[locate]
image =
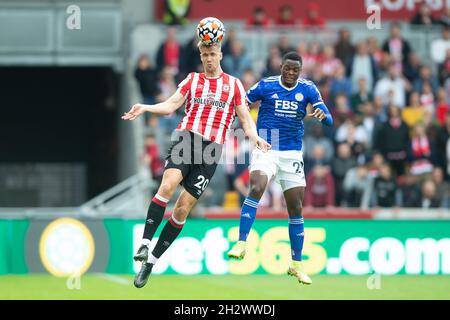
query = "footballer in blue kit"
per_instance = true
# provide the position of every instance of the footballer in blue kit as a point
(284, 100)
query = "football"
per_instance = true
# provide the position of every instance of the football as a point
(210, 30)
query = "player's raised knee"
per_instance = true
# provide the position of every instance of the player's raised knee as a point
(180, 213)
(167, 188)
(257, 190)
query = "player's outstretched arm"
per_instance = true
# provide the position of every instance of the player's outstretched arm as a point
(322, 113)
(250, 128)
(163, 108)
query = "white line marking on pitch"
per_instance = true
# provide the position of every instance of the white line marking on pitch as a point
(114, 278)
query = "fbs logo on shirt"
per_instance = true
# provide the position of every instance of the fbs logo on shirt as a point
(286, 106)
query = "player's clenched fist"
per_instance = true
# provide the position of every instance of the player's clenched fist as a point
(262, 144)
(134, 112)
(318, 113)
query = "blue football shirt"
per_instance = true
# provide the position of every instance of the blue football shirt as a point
(280, 117)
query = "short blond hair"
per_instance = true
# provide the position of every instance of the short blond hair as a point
(201, 44)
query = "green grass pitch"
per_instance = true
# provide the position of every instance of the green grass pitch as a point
(162, 287)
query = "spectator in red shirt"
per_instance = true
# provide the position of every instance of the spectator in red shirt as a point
(285, 17)
(258, 19)
(313, 18)
(442, 106)
(152, 159)
(329, 62)
(321, 188)
(311, 56)
(169, 52)
(420, 151)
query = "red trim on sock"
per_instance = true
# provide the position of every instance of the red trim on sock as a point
(159, 202)
(174, 224)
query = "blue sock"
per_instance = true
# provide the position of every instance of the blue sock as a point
(296, 235)
(248, 214)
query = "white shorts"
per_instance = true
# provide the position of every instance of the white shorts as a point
(287, 167)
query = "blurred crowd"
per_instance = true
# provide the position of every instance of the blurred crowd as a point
(390, 143)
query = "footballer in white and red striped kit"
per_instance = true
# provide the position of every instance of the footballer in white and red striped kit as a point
(210, 104)
(212, 99)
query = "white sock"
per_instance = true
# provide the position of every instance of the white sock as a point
(152, 259)
(180, 223)
(160, 198)
(146, 242)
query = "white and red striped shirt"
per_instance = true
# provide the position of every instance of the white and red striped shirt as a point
(210, 104)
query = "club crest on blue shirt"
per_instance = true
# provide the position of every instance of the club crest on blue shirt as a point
(299, 97)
